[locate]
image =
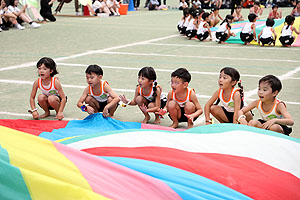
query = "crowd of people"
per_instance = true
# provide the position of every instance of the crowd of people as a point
(181, 101)
(196, 23)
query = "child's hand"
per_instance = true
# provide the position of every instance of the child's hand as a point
(123, 99)
(243, 121)
(267, 125)
(233, 34)
(35, 115)
(105, 112)
(25, 6)
(144, 108)
(161, 112)
(90, 110)
(59, 116)
(190, 117)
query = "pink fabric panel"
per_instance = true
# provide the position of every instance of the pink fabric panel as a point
(157, 127)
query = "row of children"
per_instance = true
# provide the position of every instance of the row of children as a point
(181, 102)
(12, 15)
(196, 23)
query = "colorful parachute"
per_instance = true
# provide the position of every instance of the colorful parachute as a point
(100, 158)
(236, 27)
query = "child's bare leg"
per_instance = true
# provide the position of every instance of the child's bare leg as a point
(276, 128)
(189, 109)
(255, 123)
(43, 101)
(54, 102)
(113, 109)
(218, 113)
(157, 119)
(249, 116)
(142, 101)
(175, 113)
(93, 103)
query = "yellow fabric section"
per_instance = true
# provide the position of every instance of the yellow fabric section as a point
(61, 140)
(47, 173)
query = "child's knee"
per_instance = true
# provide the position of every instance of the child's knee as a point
(53, 99)
(254, 123)
(151, 105)
(42, 98)
(276, 128)
(139, 100)
(172, 104)
(189, 107)
(89, 99)
(213, 109)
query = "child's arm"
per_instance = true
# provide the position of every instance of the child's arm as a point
(241, 118)
(208, 29)
(221, 18)
(199, 110)
(115, 100)
(61, 93)
(241, 18)
(295, 30)
(275, 36)
(208, 105)
(237, 106)
(229, 32)
(163, 111)
(80, 102)
(287, 119)
(280, 14)
(34, 113)
(157, 101)
(128, 101)
(258, 37)
(254, 31)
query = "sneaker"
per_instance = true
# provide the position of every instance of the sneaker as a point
(18, 26)
(34, 25)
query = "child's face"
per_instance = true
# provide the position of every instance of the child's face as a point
(225, 81)
(93, 79)
(178, 85)
(44, 72)
(275, 9)
(298, 5)
(144, 82)
(238, 10)
(16, 2)
(265, 92)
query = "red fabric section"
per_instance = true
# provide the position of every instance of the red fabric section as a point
(251, 177)
(34, 127)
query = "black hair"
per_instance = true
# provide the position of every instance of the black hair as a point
(94, 69)
(274, 6)
(192, 10)
(11, 2)
(205, 15)
(273, 81)
(49, 63)
(226, 20)
(215, 8)
(183, 74)
(289, 20)
(257, 3)
(270, 22)
(235, 76)
(252, 17)
(149, 73)
(239, 6)
(186, 12)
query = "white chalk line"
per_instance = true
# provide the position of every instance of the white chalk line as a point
(29, 115)
(30, 64)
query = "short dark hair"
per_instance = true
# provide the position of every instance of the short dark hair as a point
(274, 82)
(49, 63)
(205, 15)
(270, 22)
(94, 69)
(148, 72)
(251, 17)
(183, 74)
(274, 6)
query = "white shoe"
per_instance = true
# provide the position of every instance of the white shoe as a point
(0, 30)
(34, 25)
(18, 26)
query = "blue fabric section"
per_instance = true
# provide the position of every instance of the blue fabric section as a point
(187, 185)
(92, 124)
(12, 185)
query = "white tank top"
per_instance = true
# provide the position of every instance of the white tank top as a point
(272, 113)
(223, 28)
(286, 32)
(102, 97)
(247, 28)
(201, 28)
(180, 23)
(191, 25)
(187, 97)
(267, 32)
(187, 21)
(48, 89)
(228, 105)
(149, 96)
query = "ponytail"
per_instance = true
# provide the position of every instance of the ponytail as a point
(154, 89)
(241, 93)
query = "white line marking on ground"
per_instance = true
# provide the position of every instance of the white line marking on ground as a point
(282, 77)
(115, 89)
(29, 115)
(226, 46)
(89, 52)
(202, 57)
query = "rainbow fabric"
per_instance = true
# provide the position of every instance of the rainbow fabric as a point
(100, 158)
(236, 27)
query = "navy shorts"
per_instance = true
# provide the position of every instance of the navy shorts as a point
(229, 115)
(221, 36)
(246, 37)
(203, 36)
(182, 118)
(286, 40)
(286, 130)
(268, 40)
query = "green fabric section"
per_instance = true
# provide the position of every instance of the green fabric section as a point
(12, 185)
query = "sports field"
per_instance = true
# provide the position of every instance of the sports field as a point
(122, 45)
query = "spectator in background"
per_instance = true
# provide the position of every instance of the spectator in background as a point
(237, 15)
(216, 3)
(8, 17)
(46, 11)
(274, 13)
(256, 9)
(234, 4)
(296, 10)
(205, 4)
(182, 5)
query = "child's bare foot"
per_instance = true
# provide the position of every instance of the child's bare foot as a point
(190, 125)
(46, 114)
(157, 120)
(146, 120)
(174, 125)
